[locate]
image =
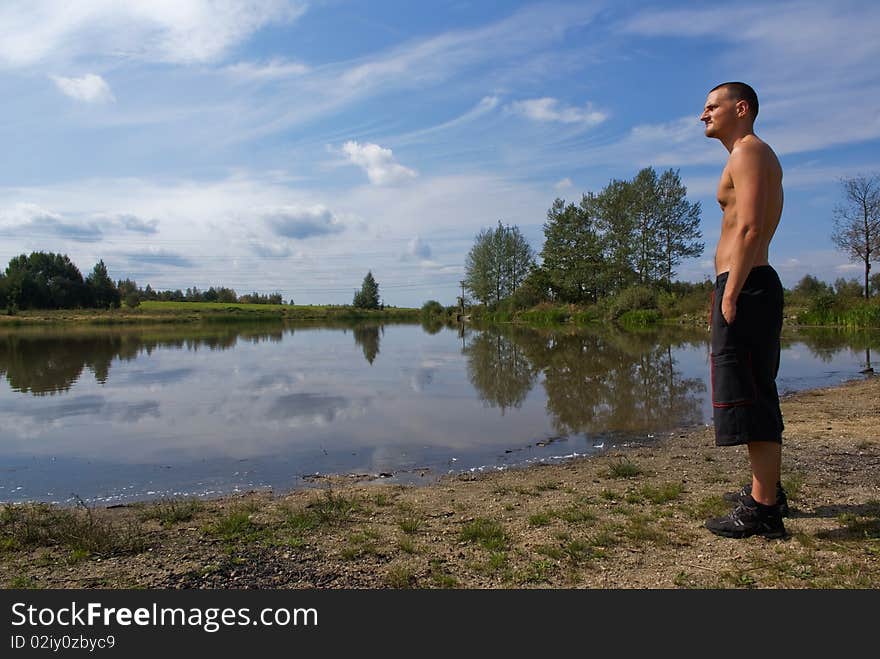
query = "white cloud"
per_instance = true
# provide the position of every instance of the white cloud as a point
(378, 162)
(562, 185)
(271, 70)
(149, 30)
(221, 232)
(91, 88)
(550, 109)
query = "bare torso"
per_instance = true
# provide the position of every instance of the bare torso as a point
(772, 207)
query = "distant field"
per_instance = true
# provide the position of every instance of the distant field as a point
(152, 305)
(152, 312)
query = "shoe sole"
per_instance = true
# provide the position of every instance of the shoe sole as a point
(770, 535)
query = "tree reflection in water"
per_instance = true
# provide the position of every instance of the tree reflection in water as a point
(367, 337)
(596, 380)
(498, 369)
(45, 363)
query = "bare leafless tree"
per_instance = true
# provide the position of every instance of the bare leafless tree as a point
(857, 222)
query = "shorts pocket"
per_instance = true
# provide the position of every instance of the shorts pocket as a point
(732, 380)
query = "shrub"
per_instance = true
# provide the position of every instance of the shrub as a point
(632, 299)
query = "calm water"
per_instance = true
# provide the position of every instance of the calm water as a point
(122, 415)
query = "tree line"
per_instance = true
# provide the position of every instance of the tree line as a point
(631, 233)
(45, 280)
(626, 241)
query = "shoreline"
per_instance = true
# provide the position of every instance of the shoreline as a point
(630, 518)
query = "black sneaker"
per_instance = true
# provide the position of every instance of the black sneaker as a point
(746, 491)
(749, 518)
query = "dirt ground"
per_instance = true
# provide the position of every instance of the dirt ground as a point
(631, 518)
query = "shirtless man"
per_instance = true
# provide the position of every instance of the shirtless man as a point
(747, 313)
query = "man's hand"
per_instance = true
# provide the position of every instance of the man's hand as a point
(728, 310)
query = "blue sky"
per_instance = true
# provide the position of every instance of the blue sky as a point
(292, 146)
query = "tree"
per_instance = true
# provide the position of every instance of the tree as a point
(102, 290)
(497, 264)
(129, 292)
(615, 222)
(857, 222)
(810, 287)
(573, 255)
(44, 281)
(368, 296)
(679, 223)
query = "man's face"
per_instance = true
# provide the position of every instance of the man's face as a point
(720, 113)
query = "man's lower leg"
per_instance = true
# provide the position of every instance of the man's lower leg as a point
(766, 461)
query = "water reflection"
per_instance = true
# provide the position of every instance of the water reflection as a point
(46, 362)
(499, 369)
(595, 381)
(124, 413)
(367, 337)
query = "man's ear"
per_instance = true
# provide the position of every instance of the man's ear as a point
(742, 108)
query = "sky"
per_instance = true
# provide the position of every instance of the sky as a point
(287, 146)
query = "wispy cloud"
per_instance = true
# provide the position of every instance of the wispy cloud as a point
(378, 163)
(158, 256)
(37, 223)
(808, 56)
(271, 70)
(90, 88)
(550, 109)
(180, 31)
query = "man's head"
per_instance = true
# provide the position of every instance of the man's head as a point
(727, 106)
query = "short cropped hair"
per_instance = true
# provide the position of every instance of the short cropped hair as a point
(740, 91)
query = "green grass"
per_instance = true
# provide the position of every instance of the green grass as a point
(328, 509)
(81, 530)
(407, 545)
(235, 526)
(488, 533)
(662, 494)
(23, 582)
(400, 576)
(576, 513)
(361, 543)
(409, 524)
(623, 468)
(540, 519)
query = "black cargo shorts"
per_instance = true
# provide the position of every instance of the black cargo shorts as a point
(745, 361)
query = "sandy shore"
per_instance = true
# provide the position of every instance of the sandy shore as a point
(628, 519)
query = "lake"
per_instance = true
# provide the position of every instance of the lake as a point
(119, 415)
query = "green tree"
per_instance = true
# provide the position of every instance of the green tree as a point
(480, 267)
(573, 255)
(615, 222)
(497, 264)
(3, 294)
(368, 296)
(679, 223)
(44, 280)
(857, 222)
(102, 290)
(647, 255)
(810, 287)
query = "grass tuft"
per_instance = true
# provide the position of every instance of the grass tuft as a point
(488, 533)
(623, 468)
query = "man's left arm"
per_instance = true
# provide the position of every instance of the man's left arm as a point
(748, 167)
